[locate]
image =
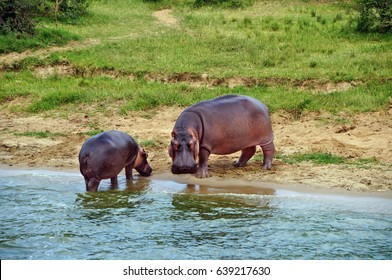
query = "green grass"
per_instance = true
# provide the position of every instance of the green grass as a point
(93, 132)
(44, 38)
(40, 134)
(148, 143)
(264, 40)
(54, 92)
(321, 159)
(317, 158)
(290, 41)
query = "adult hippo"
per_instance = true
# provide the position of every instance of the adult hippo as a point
(104, 155)
(222, 125)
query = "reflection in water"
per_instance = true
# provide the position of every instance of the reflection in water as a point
(227, 189)
(209, 202)
(222, 206)
(50, 216)
(113, 198)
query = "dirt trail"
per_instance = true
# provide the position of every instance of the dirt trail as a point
(166, 17)
(42, 53)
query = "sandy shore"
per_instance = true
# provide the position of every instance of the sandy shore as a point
(362, 136)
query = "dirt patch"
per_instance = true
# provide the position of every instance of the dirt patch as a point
(195, 80)
(370, 136)
(166, 18)
(10, 58)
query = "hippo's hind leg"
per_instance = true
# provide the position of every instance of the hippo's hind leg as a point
(246, 154)
(268, 154)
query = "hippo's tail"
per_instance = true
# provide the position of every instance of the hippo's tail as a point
(85, 169)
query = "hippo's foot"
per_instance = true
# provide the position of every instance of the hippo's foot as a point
(267, 165)
(268, 154)
(202, 173)
(246, 154)
(237, 163)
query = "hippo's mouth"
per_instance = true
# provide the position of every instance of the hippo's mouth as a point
(183, 170)
(146, 171)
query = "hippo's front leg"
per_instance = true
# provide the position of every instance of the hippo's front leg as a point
(128, 172)
(202, 170)
(113, 181)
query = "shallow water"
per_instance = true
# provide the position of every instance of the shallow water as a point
(48, 215)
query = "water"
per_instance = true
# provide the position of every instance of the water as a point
(48, 215)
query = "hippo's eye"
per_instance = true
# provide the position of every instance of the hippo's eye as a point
(175, 145)
(190, 145)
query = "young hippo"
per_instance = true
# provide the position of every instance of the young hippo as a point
(104, 155)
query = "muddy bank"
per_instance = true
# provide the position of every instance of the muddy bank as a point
(361, 136)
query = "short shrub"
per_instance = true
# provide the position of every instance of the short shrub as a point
(374, 15)
(71, 10)
(19, 16)
(224, 3)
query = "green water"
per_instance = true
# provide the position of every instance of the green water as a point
(48, 215)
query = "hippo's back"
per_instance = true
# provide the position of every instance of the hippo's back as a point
(106, 142)
(222, 105)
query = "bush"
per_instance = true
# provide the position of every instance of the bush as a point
(19, 15)
(223, 3)
(374, 15)
(70, 9)
(13, 42)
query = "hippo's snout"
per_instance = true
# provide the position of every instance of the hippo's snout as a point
(184, 169)
(144, 170)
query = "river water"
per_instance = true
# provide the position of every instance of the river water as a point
(48, 215)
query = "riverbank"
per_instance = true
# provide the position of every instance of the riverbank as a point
(53, 140)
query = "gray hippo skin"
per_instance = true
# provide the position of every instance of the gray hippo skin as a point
(222, 125)
(104, 155)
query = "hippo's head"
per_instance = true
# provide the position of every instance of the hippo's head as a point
(183, 150)
(141, 164)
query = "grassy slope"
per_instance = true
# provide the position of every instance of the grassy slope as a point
(291, 40)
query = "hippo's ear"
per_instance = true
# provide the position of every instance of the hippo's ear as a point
(171, 152)
(172, 148)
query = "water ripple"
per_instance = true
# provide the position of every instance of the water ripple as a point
(50, 216)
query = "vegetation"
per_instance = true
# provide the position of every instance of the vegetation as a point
(285, 53)
(375, 15)
(19, 19)
(43, 38)
(39, 134)
(320, 159)
(21, 16)
(224, 3)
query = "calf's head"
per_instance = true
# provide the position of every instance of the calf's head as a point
(141, 163)
(183, 149)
